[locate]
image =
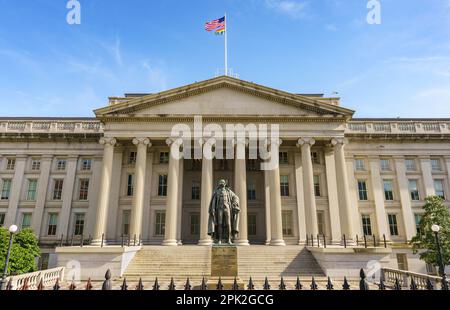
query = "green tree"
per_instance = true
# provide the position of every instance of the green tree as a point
(24, 251)
(425, 242)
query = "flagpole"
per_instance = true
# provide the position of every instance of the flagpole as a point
(226, 44)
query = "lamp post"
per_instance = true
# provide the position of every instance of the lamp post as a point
(12, 230)
(435, 228)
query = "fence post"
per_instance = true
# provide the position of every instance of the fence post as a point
(357, 240)
(384, 240)
(121, 242)
(345, 242)
(362, 282)
(103, 238)
(307, 240)
(374, 241)
(365, 241)
(318, 241)
(134, 240)
(324, 241)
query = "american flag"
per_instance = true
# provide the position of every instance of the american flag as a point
(215, 24)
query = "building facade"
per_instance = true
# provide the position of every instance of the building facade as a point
(113, 176)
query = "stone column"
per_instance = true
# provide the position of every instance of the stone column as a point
(300, 199)
(333, 200)
(356, 218)
(378, 195)
(276, 228)
(405, 198)
(105, 189)
(16, 189)
(138, 202)
(425, 164)
(170, 237)
(180, 202)
(67, 196)
(206, 194)
(447, 163)
(240, 187)
(308, 186)
(267, 205)
(46, 163)
(345, 205)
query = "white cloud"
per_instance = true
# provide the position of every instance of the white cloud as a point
(331, 27)
(114, 50)
(293, 8)
(157, 77)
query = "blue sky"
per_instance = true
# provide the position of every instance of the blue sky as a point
(400, 68)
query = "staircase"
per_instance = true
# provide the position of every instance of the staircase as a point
(195, 262)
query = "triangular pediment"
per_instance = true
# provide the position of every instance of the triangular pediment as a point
(224, 96)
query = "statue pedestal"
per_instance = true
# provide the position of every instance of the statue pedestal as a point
(224, 265)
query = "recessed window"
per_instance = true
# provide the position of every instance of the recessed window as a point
(252, 164)
(417, 219)
(196, 164)
(436, 164)
(132, 158)
(194, 220)
(79, 224)
(10, 163)
(61, 164)
(316, 180)
(35, 164)
(26, 220)
(287, 219)
(385, 165)
(195, 194)
(31, 191)
(413, 190)
(251, 224)
(52, 224)
(284, 185)
(130, 185)
(315, 158)
(320, 223)
(362, 190)
(2, 219)
(388, 190)
(86, 164)
(393, 228)
(410, 165)
(160, 223)
(251, 191)
(366, 225)
(402, 261)
(283, 158)
(84, 189)
(162, 185)
(126, 215)
(439, 188)
(6, 189)
(57, 189)
(163, 157)
(359, 164)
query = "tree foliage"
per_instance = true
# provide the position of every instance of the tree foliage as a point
(24, 251)
(425, 242)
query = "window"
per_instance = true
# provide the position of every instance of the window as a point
(84, 189)
(163, 157)
(252, 164)
(6, 189)
(2, 219)
(130, 185)
(439, 188)
(367, 225)
(286, 217)
(196, 164)
(10, 163)
(31, 192)
(388, 191)
(320, 223)
(393, 224)
(251, 191)
(52, 224)
(223, 164)
(43, 261)
(410, 165)
(86, 164)
(362, 190)
(385, 165)
(195, 190)
(413, 190)
(26, 220)
(315, 158)
(283, 158)
(132, 158)
(126, 222)
(35, 164)
(436, 164)
(78, 224)
(251, 224)
(162, 185)
(61, 164)
(194, 220)
(359, 165)
(316, 180)
(284, 185)
(402, 261)
(57, 189)
(160, 223)
(417, 219)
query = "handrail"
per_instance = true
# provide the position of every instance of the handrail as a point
(404, 278)
(32, 279)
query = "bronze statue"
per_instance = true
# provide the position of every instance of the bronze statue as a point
(224, 211)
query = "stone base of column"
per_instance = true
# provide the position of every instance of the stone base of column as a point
(267, 242)
(302, 242)
(170, 242)
(336, 242)
(277, 242)
(205, 242)
(179, 242)
(241, 242)
(98, 242)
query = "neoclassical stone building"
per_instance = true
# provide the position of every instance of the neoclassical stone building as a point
(112, 175)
